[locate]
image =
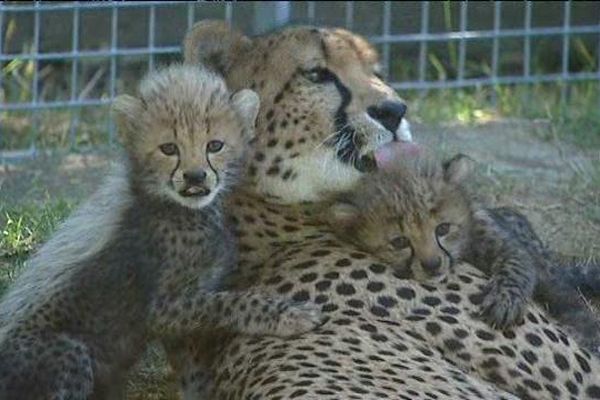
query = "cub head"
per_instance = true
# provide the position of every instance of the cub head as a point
(185, 134)
(325, 109)
(416, 218)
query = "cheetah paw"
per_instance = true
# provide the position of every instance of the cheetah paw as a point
(502, 307)
(298, 318)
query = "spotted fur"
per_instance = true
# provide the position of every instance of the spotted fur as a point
(419, 218)
(145, 257)
(386, 336)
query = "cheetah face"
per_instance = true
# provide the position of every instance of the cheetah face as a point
(325, 109)
(185, 134)
(417, 220)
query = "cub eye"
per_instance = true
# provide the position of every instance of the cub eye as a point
(318, 74)
(379, 75)
(214, 146)
(169, 149)
(400, 242)
(442, 229)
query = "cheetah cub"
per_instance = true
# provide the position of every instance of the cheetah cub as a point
(419, 218)
(145, 257)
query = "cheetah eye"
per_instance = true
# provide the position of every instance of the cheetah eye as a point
(168, 149)
(400, 242)
(214, 146)
(318, 75)
(379, 75)
(442, 229)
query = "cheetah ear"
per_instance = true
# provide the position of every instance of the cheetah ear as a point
(214, 44)
(458, 168)
(247, 104)
(128, 110)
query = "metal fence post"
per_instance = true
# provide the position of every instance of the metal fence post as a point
(269, 15)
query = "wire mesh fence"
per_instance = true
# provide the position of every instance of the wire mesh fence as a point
(62, 63)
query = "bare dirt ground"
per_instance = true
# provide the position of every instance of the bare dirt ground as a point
(555, 184)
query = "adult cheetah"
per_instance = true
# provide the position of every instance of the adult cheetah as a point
(324, 111)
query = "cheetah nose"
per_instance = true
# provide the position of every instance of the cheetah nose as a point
(432, 265)
(196, 177)
(388, 113)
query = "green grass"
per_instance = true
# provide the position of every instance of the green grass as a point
(25, 227)
(574, 118)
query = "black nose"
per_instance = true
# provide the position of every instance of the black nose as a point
(388, 113)
(195, 177)
(432, 265)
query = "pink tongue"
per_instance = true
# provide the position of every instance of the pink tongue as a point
(389, 154)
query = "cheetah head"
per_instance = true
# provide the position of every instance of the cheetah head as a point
(417, 218)
(325, 109)
(185, 134)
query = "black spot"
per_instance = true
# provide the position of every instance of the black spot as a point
(433, 328)
(343, 262)
(585, 367)
(572, 388)
(323, 285)
(561, 362)
(593, 391)
(453, 344)
(387, 301)
(547, 373)
(345, 289)
(379, 311)
(286, 287)
(306, 278)
(453, 298)
(484, 335)
(301, 296)
(533, 339)
(377, 268)
(406, 293)
(431, 301)
(529, 356)
(332, 275)
(305, 264)
(355, 303)
(551, 335)
(358, 274)
(476, 299)
(461, 333)
(375, 287)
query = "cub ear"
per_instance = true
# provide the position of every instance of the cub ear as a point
(458, 168)
(215, 44)
(247, 103)
(127, 110)
(342, 213)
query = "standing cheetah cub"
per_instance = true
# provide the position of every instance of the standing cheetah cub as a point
(420, 219)
(145, 257)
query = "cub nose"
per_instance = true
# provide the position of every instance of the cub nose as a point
(195, 177)
(432, 265)
(388, 113)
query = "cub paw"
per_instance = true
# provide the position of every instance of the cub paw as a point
(502, 307)
(297, 318)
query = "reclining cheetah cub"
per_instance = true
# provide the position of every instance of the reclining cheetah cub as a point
(420, 218)
(145, 257)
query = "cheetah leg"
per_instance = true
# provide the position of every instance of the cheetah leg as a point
(244, 312)
(191, 359)
(514, 273)
(60, 368)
